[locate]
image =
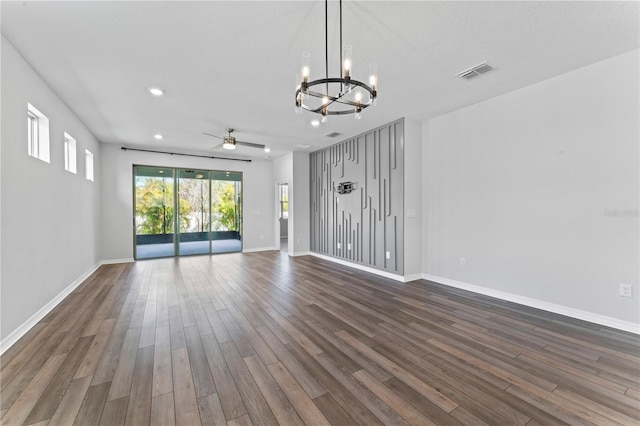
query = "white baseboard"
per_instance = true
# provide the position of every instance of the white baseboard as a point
(252, 250)
(300, 253)
(412, 277)
(368, 269)
(16, 334)
(114, 261)
(539, 304)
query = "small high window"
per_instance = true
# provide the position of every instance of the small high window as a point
(88, 162)
(37, 134)
(69, 153)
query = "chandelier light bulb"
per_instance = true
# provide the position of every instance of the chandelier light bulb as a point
(373, 76)
(324, 113)
(306, 67)
(347, 59)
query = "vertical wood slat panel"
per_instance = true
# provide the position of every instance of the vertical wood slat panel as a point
(371, 218)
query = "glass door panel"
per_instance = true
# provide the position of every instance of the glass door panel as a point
(194, 212)
(154, 212)
(226, 211)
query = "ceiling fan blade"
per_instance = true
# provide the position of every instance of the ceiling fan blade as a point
(253, 145)
(209, 134)
(213, 148)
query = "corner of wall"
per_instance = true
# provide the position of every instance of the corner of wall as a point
(413, 205)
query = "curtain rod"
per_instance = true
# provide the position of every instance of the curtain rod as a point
(186, 155)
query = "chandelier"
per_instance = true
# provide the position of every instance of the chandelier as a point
(336, 95)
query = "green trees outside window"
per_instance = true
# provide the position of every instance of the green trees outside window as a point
(155, 205)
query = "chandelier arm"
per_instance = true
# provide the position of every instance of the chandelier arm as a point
(339, 80)
(339, 112)
(336, 99)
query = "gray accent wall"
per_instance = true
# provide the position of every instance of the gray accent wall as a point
(364, 225)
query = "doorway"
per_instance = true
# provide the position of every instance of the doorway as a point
(181, 212)
(283, 203)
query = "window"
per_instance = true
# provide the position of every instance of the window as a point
(284, 200)
(37, 134)
(88, 162)
(32, 129)
(69, 153)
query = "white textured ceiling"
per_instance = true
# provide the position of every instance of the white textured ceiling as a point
(233, 63)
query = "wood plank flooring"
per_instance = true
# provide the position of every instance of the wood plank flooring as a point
(261, 338)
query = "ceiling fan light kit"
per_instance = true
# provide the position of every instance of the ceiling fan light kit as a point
(230, 142)
(350, 96)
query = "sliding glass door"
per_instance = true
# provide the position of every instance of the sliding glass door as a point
(226, 208)
(186, 211)
(194, 214)
(154, 211)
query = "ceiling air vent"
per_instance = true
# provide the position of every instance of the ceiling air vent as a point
(300, 146)
(473, 72)
(332, 134)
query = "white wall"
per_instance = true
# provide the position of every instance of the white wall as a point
(283, 173)
(50, 217)
(412, 199)
(293, 169)
(301, 204)
(117, 197)
(520, 187)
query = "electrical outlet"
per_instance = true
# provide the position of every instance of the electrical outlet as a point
(388, 255)
(348, 246)
(463, 262)
(338, 245)
(626, 290)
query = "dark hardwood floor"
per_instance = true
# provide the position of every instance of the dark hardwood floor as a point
(262, 338)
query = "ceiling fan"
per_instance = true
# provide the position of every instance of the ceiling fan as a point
(230, 142)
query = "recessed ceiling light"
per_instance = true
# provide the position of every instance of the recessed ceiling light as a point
(267, 149)
(155, 91)
(315, 123)
(158, 136)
